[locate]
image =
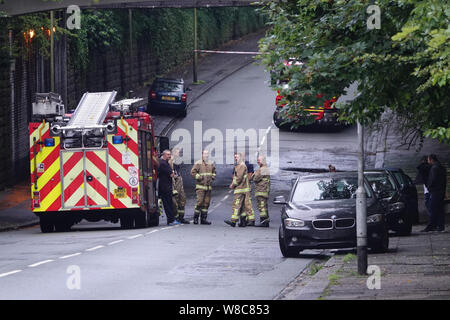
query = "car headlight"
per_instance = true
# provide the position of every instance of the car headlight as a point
(398, 206)
(294, 223)
(375, 218)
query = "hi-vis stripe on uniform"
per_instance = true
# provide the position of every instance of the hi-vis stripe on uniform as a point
(62, 174)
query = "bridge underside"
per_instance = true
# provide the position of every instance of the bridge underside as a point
(19, 7)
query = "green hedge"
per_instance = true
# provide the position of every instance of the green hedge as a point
(169, 32)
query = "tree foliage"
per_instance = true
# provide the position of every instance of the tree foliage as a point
(403, 66)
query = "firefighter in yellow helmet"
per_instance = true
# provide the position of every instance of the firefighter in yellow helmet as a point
(179, 197)
(241, 188)
(204, 173)
(261, 178)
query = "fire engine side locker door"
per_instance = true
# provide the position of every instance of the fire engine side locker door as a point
(97, 178)
(84, 179)
(72, 179)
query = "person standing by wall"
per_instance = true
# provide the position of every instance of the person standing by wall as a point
(165, 191)
(204, 173)
(437, 184)
(423, 171)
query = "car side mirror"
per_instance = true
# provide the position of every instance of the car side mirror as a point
(279, 200)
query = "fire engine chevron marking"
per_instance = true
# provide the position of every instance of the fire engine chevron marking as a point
(44, 133)
(115, 203)
(47, 155)
(52, 201)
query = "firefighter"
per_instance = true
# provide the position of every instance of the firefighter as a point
(179, 197)
(204, 173)
(241, 188)
(261, 178)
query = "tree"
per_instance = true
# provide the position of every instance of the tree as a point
(402, 66)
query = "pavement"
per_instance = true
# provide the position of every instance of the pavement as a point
(15, 203)
(416, 267)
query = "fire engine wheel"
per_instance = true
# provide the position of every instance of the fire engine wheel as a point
(47, 225)
(153, 219)
(140, 219)
(126, 221)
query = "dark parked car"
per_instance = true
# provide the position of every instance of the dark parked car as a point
(321, 214)
(168, 95)
(399, 202)
(408, 188)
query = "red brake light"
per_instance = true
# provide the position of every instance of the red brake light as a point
(184, 97)
(153, 95)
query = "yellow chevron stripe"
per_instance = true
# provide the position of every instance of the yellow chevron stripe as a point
(99, 176)
(50, 198)
(73, 173)
(35, 133)
(45, 152)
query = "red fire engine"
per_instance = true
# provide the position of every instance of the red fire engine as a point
(95, 164)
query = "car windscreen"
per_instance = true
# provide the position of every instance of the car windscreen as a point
(168, 86)
(326, 189)
(382, 184)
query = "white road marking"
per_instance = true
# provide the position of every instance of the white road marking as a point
(115, 242)
(70, 255)
(165, 228)
(9, 273)
(135, 236)
(95, 248)
(39, 263)
(153, 231)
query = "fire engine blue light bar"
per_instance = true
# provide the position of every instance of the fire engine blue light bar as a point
(49, 142)
(117, 139)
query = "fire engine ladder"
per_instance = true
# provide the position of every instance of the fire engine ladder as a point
(92, 110)
(89, 115)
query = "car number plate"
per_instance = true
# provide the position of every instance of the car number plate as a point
(120, 193)
(168, 98)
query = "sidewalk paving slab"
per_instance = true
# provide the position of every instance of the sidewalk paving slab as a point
(417, 267)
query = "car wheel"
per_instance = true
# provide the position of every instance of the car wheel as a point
(405, 228)
(383, 245)
(183, 113)
(278, 122)
(286, 251)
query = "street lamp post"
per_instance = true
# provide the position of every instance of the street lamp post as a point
(361, 207)
(195, 47)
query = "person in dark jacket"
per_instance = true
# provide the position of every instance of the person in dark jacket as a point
(165, 191)
(436, 184)
(423, 171)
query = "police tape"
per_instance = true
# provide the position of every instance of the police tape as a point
(232, 52)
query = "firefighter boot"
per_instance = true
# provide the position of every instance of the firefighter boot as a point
(264, 223)
(203, 219)
(196, 216)
(242, 221)
(231, 223)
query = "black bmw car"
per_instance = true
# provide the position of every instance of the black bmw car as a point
(398, 201)
(321, 214)
(169, 96)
